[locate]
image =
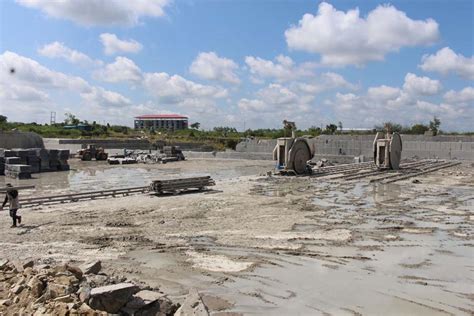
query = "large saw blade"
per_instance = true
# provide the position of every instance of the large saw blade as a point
(299, 155)
(395, 151)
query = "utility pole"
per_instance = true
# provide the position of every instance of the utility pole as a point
(52, 118)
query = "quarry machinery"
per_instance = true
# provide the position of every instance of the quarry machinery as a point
(91, 151)
(292, 153)
(387, 150)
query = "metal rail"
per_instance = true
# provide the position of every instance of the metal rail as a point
(432, 169)
(74, 197)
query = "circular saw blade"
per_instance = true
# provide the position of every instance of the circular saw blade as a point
(395, 151)
(299, 155)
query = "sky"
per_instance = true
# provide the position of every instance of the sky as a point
(239, 63)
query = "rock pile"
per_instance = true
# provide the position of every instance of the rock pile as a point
(26, 289)
(21, 163)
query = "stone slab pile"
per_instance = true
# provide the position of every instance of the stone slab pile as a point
(13, 161)
(29, 289)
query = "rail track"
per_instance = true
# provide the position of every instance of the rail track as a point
(368, 170)
(158, 187)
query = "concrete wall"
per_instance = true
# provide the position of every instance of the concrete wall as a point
(18, 139)
(347, 146)
(139, 144)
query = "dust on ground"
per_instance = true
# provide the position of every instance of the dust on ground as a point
(268, 245)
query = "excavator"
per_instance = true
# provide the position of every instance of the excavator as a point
(292, 153)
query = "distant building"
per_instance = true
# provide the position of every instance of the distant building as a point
(161, 121)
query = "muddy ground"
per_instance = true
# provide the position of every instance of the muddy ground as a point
(267, 245)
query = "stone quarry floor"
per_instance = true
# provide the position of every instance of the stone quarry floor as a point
(266, 245)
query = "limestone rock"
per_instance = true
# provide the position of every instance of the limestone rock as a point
(193, 305)
(111, 298)
(75, 270)
(92, 267)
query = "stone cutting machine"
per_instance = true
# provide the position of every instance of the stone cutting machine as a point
(292, 153)
(387, 150)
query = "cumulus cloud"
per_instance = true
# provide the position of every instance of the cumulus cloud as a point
(59, 50)
(276, 98)
(30, 72)
(99, 12)
(29, 81)
(326, 81)
(122, 69)
(282, 69)
(212, 67)
(344, 38)
(421, 85)
(176, 89)
(446, 61)
(112, 44)
(385, 103)
(105, 98)
(383, 92)
(463, 96)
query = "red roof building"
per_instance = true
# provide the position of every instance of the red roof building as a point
(161, 121)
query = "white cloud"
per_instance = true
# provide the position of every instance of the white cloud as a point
(212, 67)
(104, 98)
(122, 69)
(384, 103)
(27, 86)
(253, 105)
(277, 98)
(177, 90)
(59, 50)
(99, 12)
(21, 93)
(112, 44)
(383, 92)
(447, 61)
(463, 96)
(326, 81)
(30, 72)
(421, 85)
(344, 38)
(282, 69)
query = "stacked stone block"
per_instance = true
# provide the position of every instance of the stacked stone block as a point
(20, 163)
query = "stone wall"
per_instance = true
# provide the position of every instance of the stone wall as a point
(347, 146)
(16, 139)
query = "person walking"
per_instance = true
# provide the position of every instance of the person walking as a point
(12, 198)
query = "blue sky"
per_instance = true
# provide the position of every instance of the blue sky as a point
(239, 63)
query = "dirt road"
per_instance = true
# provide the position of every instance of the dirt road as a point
(269, 245)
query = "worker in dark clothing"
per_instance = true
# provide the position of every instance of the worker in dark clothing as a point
(12, 198)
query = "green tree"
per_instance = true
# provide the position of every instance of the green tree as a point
(419, 129)
(435, 124)
(340, 126)
(331, 129)
(71, 119)
(3, 119)
(195, 125)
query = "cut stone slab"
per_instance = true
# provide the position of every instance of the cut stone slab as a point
(193, 305)
(143, 298)
(91, 267)
(111, 298)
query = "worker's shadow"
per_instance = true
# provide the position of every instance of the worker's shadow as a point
(27, 228)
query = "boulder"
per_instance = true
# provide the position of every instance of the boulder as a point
(3, 263)
(111, 298)
(36, 286)
(74, 270)
(92, 267)
(143, 298)
(193, 305)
